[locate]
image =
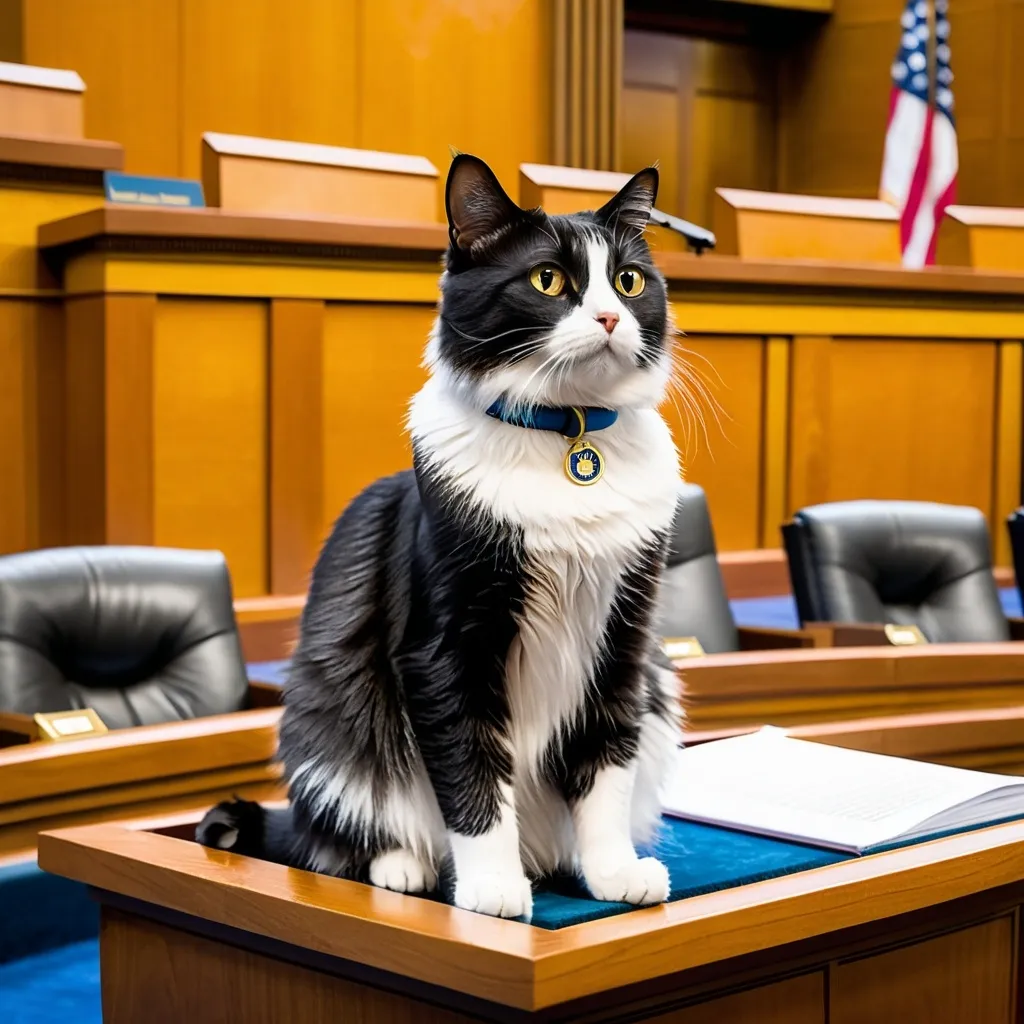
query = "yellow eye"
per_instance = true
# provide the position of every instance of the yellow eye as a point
(630, 281)
(548, 279)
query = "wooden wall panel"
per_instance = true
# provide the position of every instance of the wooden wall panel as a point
(371, 368)
(402, 75)
(706, 110)
(834, 100)
(296, 442)
(885, 418)
(210, 433)
(261, 67)
(967, 975)
(129, 54)
(31, 424)
(469, 75)
(718, 430)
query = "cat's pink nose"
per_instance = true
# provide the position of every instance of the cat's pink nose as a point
(607, 321)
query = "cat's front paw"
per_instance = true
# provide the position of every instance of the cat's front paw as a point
(497, 894)
(630, 881)
(402, 871)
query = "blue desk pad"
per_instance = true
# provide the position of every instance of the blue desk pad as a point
(699, 858)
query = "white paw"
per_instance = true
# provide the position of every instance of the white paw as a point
(402, 871)
(633, 881)
(500, 895)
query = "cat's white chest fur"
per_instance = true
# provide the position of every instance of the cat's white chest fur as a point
(578, 540)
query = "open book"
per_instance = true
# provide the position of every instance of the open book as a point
(774, 785)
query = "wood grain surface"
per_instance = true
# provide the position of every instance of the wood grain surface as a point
(512, 963)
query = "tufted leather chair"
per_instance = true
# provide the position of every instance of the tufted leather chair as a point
(693, 602)
(141, 635)
(901, 562)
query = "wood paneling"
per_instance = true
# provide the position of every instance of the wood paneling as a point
(586, 82)
(200, 980)
(718, 428)
(31, 424)
(794, 1001)
(129, 54)
(834, 100)
(260, 67)
(964, 976)
(775, 440)
(470, 75)
(705, 110)
(404, 76)
(210, 433)
(371, 369)
(296, 442)
(892, 419)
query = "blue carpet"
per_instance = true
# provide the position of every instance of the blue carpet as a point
(267, 671)
(39, 911)
(780, 612)
(61, 985)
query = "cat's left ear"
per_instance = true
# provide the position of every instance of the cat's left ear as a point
(475, 202)
(631, 205)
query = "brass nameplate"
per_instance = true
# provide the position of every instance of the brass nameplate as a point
(683, 647)
(904, 636)
(69, 725)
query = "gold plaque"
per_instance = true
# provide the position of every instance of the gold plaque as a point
(904, 636)
(682, 647)
(69, 725)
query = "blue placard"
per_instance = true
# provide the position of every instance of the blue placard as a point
(142, 190)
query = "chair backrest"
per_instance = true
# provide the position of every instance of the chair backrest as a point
(693, 600)
(141, 635)
(906, 562)
(1015, 525)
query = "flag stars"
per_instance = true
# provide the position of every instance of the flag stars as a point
(910, 41)
(899, 71)
(942, 29)
(916, 61)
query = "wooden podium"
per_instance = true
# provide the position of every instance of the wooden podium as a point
(924, 933)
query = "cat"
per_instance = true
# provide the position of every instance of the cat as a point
(476, 696)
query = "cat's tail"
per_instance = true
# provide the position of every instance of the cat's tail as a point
(248, 828)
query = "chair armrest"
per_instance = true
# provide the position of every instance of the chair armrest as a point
(761, 638)
(848, 634)
(1016, 627)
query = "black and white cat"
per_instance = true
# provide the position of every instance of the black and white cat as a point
(476, 692)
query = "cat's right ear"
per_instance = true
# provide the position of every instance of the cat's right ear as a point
(475, 202)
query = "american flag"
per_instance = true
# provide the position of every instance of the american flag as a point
(920, 164)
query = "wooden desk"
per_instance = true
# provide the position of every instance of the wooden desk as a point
(138, 773)
(927, 933)
(40, 179)
(796, 687)
(227, 374)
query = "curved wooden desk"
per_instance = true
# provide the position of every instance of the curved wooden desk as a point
(235, 380)
(926, 933)
(138, 773)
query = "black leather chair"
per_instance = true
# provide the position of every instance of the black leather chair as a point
(899, 562)
(693, 601)
(1015, 526)
(140, 635)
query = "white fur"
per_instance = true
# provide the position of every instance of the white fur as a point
(489, 874)
(608, 861)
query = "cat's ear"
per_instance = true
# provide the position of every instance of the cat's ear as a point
(475, 202)
(631, 206)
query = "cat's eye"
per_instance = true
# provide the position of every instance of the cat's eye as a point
(630, 281)
(548, 279)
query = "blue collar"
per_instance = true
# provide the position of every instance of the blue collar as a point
(571, 422)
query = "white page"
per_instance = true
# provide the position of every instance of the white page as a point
(767, 782)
